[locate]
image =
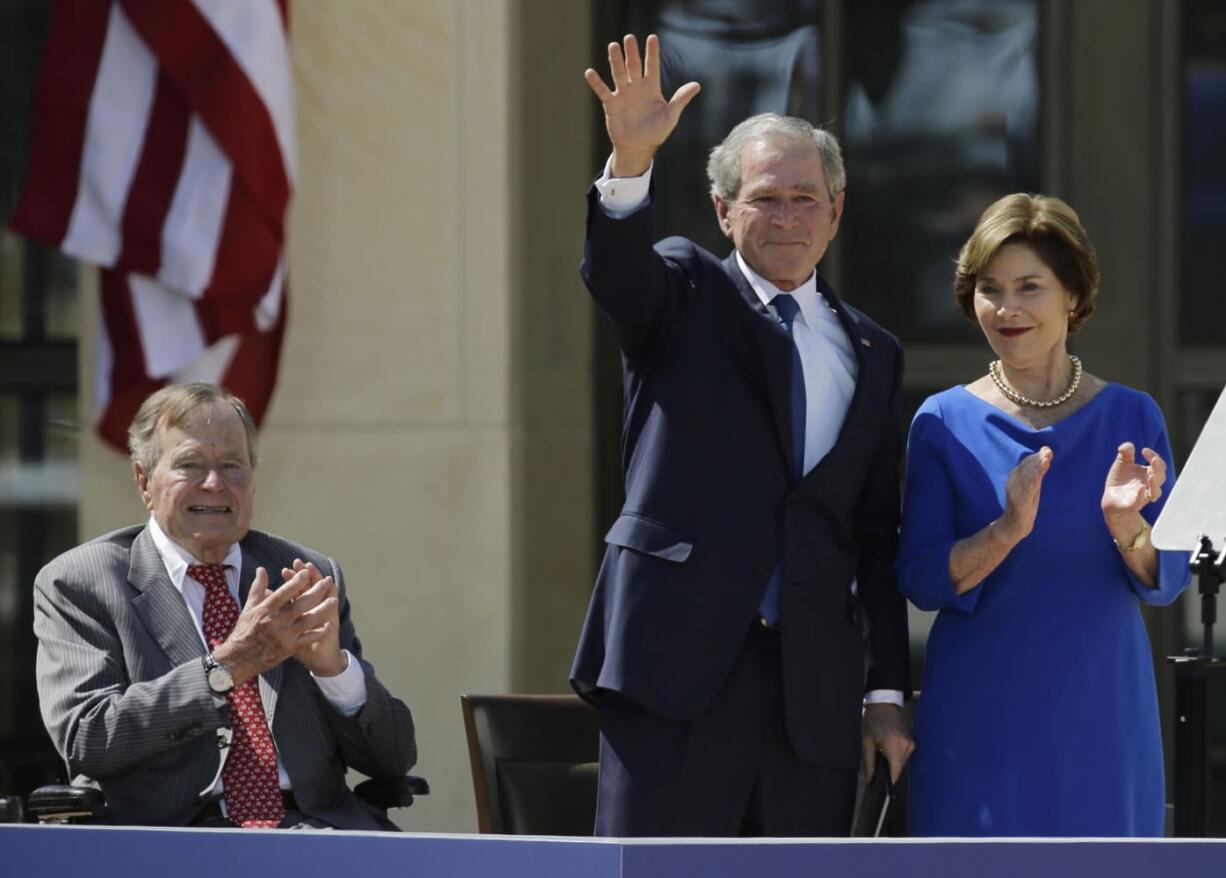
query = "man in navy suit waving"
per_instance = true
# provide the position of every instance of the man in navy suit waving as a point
(745, 645)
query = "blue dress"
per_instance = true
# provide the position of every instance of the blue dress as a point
(1039, 714)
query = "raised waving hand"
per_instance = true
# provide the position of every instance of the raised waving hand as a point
(637, 116)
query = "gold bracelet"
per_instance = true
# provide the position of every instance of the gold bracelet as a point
(1138, 542)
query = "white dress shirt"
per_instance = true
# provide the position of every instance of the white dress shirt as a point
(826, 356)
(346, 691)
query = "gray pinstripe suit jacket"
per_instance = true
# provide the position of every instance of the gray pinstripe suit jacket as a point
(124, 696)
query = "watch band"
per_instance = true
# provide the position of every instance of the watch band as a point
(219, 678)
(1138, 541)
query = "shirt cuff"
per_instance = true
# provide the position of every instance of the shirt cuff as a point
(884, 696)
(622, 196)
(347, 690)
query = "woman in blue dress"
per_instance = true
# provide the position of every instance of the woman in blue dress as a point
(1029, 498)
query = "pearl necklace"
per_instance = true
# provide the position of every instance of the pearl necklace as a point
(998, 377)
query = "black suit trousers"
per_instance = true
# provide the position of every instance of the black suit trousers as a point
(732, 771)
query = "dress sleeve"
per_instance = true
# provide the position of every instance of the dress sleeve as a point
(1174, 573)
(928, 519)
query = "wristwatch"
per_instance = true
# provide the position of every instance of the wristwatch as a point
(221, 681)
(1138, 542)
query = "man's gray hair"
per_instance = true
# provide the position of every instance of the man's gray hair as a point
(173, 406)
(724, 164)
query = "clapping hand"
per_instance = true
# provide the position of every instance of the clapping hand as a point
(299, 619)
(320, 649)
(1131, 485)
(1022, 490)
(637, 116)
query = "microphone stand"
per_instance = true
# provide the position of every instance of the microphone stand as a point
(1192, 672)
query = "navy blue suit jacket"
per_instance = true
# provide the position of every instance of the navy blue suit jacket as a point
(712, 506)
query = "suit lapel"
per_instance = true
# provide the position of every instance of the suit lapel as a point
(160, 605)
(167, 619)
(775, 349)
(253, 557)
(866, 373)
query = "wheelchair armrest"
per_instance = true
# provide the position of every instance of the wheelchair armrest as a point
(62, 803)
(12, 809)
(395, 792)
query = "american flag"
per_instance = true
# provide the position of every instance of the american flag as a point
(163, 151)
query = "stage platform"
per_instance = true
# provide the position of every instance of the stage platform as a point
(103, 852)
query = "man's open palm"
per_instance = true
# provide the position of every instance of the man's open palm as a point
(637, 117)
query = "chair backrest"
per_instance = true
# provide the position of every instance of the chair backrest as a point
(534, 762)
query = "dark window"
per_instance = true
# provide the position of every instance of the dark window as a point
(38, 411)
(1202, 307)
(941, 118)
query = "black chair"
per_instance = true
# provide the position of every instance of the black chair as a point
(65, 803)
(534, 763)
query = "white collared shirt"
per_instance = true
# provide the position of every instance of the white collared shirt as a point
(826, 353)
(346, 691)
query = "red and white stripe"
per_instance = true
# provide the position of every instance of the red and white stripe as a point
(163, 151)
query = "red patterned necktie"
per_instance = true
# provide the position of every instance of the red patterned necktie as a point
(252, 791)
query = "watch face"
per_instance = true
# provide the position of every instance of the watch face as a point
(220, 680)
